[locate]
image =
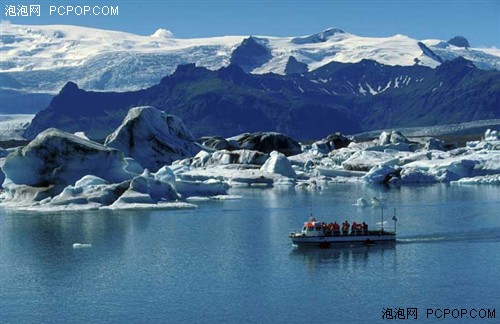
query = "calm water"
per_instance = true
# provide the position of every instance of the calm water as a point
(232, 262)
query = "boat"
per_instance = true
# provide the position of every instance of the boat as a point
(320, 234)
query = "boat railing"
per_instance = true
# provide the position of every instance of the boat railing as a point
(387, 228)
(293, 233)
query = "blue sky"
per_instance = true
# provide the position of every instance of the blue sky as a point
(477, 20)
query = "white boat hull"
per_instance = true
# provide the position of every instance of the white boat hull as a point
(326, 241)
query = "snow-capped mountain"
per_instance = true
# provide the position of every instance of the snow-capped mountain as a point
(44, 58)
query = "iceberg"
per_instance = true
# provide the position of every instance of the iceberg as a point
(56, 159)
(210, 187)
(90, 190)
(380, 174)
(147, 191)
(215, 143)
(153, 138)
(278, 163)
(444, 170)
(133, 166)
(224, 157)
(61, 171)
(366, 160)
(393, 137)
(266, 142)
(338, 171)
(233, 174)
(330, 143)
(165, 174)
(491, 135)
(157, 190)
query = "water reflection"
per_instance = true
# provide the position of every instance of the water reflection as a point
(342, 256)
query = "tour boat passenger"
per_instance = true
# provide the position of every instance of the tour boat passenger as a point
(336, 228)
(345, 228)
(354, 228)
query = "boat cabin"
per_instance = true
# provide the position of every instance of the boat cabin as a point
(313, 229)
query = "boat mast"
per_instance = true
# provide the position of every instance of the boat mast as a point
(382, 216)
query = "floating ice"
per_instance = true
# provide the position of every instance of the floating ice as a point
(82, 245)
(361, 202)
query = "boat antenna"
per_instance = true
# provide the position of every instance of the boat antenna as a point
(382, 216)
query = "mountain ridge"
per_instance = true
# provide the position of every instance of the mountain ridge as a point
(347, 97)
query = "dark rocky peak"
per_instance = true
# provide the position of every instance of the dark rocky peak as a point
(328, 69)
(69, 88)
(295, 67)
(255, 41)
(189, 69)
(459, 41)
(318, 37)
(458, 62)
(68, 95)
(362, 67)
(369, 63)
(251, 53)
(455, 69)
(186, 72)
(232, 72)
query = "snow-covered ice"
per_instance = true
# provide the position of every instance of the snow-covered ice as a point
(92, 55)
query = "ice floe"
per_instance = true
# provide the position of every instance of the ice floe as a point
(493, 179)
(82, 245)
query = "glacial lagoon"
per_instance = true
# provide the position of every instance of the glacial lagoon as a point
(231, 261)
